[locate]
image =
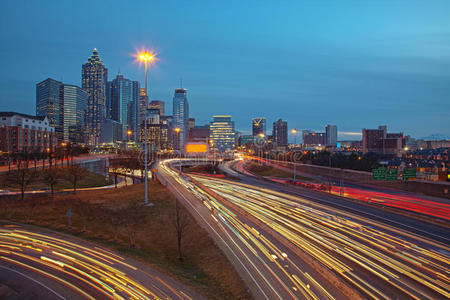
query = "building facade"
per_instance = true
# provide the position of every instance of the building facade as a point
(221, 134)
(94, 77)
(25, 133)
(122, 99)
(112, 132)
(48, 104)
(331, 135)
(180, 117)
(280, 133)
(259, 126)
(158, 104)
(313, 139)
(73, 113)
(381, 142)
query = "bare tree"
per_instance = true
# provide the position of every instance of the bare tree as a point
(51, 178)
(181, 222)
(74, 174)
(22, 177)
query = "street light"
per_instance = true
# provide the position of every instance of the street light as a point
(177, 131)
(294, 131)
(146, 57)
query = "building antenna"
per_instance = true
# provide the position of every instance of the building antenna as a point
(119, 71)
(181, 82)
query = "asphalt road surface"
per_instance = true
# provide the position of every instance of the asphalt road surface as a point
(377, 258)
(41, 264)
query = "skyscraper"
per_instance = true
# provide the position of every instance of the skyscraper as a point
(181, 116)
(279, 133)
(94, 76)
(73, 113)
(122, 98)
(221, 133)
(158, 104)
(259, 126)
(48, 104)
(331, 135)
(142, 107)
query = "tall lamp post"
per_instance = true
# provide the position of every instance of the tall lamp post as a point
(146, 57)
(294, 131)
(177, 131)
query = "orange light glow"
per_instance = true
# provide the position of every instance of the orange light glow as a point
(177, 130)
(196, 148)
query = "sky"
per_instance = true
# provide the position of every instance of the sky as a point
(355, 64)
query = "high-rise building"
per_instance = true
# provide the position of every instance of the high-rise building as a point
(221, 134)
(122, 98)
(279, 133)
(48, 104)
(73, 101)
(143, 106)
(180, 117)
(331, 135)
(94, 76)
(381, 142)
(259, 126)
(158, 104)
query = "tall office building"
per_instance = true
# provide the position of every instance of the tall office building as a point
(73, 101)
(331, 135)
(259, 126)
(48, 104)
(122, 98)
(279, 133)
(221, 134)
(142, 107)
(158, 104)
(94, 76)
(180, 117)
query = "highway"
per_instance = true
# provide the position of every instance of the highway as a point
(369, 255)
(270, 270)
(426, 205)
(39, 264)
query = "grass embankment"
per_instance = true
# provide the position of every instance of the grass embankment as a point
(206, 169)
(117, 219)
(269, 171)
(38, 182)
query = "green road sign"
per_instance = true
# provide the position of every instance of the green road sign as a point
(379, 174)
(392, 174)
(409, 174)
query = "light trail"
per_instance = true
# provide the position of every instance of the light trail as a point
(292, 280)
(406, 202)
(91, 272)
(379, 261)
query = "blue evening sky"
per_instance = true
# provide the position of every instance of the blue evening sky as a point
(351, 63)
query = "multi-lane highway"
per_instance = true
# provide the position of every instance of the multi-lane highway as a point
(37, 264)
(425, 205)
(295, 247)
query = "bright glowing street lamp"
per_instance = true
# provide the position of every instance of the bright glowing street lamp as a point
(146, 57)
(294, 131)
(177, 131)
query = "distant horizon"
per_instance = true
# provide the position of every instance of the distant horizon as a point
(355, 65)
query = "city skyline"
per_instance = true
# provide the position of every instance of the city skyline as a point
(391, 73)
